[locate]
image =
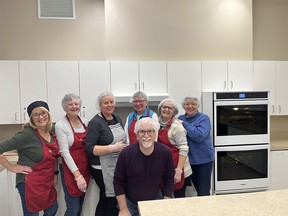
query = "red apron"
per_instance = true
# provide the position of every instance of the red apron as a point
(132, 135)
(77, 152)
(40, 192)
(163, 138)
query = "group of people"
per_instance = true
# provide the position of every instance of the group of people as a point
(150, 157)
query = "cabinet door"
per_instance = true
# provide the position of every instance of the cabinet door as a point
(214, 76)
(240, 75)
(4, 192)
(278, 174)
(14, 197)
(94, 79)
(264, 80)
(62, 78)
(184, 78)
(153, 77)
(124, 78)
(32, 84)
(9, 92)
(281, 87)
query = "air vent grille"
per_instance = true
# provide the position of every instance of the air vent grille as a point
(56, 9)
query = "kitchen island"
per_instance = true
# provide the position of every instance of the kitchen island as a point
(266, 203)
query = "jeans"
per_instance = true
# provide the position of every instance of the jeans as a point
(51, 211)
(73, 204)
(201, 178)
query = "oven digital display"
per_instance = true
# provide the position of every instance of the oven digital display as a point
(242, 95)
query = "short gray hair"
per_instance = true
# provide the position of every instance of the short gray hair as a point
(101, 96)
(189, 97)
(69, 97)
(146, 121)
(175, 107)
(140, 94)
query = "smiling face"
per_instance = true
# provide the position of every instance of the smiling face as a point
(107, 105)
(167, 111)
(73, 107)
(40, 118)
(139, 105)
(146, 136)
(190, 107)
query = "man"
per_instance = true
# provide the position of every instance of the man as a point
(141, 168)
(141, 110)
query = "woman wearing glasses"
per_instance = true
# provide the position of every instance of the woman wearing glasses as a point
(104, 141)
(173, 135)
(141, 109)
(37, 166)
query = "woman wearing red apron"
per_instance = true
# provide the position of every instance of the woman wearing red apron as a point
(37, 164)
(173, 134)
(75, 174)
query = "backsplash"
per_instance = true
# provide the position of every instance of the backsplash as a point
(279, 128)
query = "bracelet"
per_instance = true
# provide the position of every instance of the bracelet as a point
(56, 172)
(80, 177)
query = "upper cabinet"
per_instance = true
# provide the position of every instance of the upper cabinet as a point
(10, 92)
(94, 79)
(127, 77)
(227, 76)
(33, 85)
(62, 78)
(153, 77)
(184, 78)
(272, 76)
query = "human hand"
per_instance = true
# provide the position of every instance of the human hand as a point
(81, 183)
(177, 176)
(118, 146)
(124, 212)
(21, 169)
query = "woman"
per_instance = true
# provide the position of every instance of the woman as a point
(105, 139)
(141, 109)
(201, 151)
(36, 169)
(173, 134)
(75, 174)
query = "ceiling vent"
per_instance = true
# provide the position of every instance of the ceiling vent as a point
(56, 9)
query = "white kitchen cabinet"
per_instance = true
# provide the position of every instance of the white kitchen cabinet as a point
(227, 76)
(15, 205)
(124, 78)
(153, 77)
(9, 92)
(184, 78)
(33, 85)
(4, 192)
(272, 76)
(94, 79)
(127, 77)
(278, 170)
(62, 78)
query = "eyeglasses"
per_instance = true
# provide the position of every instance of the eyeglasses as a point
(37, 115)
(138, 101)
(166, 107)
(149, 132)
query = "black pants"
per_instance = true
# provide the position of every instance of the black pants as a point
(182, 192)
(107, 206)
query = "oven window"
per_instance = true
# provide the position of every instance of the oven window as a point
(242, 120)
(238, 165)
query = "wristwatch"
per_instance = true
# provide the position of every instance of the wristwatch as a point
(56, 172)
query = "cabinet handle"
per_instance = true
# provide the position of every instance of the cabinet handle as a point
(231, 85)
(136, 86)
(143, 87)
(15, 116)
(24, 114)
(84, 113)
(273, 108)
(225, 85)
(279, 108)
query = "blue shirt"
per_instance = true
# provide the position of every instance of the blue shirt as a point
(199, 139)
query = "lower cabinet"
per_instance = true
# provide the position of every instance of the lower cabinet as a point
(278, 171)
(10, 202)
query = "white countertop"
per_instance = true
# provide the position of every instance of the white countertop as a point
(267, 203)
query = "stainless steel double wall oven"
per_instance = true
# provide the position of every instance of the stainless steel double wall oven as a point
(241, 137)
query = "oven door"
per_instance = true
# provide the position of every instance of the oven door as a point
(241, 122)
(241, 168)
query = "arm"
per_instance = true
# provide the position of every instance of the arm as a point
(123, 209)
(156, 119)
(127, 131)
(14, 167)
